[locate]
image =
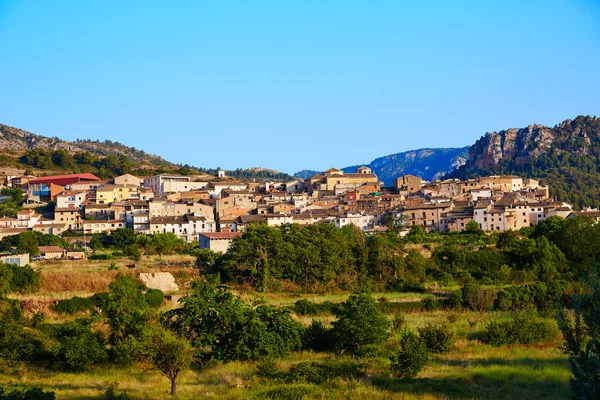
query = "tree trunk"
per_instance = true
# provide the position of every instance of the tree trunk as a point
(173, 386)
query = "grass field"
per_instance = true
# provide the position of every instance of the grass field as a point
(472, 370)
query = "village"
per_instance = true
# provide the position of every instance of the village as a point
(215, 210)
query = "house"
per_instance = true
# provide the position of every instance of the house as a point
(46, 187)
(51, 229)
(168, 183)
(20, 181)
(105, 225)
(8, 222)
(408, 183)
(20, 260)
(141, 222)
(128, 179)
(75, 254)
(4, 232)
(217, 241)
(360, 220)
(70, 199)
(52, 252)
(27, 218)
(70, 216)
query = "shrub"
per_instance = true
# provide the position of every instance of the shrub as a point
(454, 300)
(430, 304)
(406, 307)
(74, 305)
(267, 368)
(317, 337)
(438, 339)
(478, 298)
(35, 393)
(320, 372)
(21, 279)
(78, 347)
(154, 297)
(360, 324)
(18, 344)
(412, 356)
(306, 307)
(398, 321)
(520, 330)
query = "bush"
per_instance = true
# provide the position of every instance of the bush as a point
(267, 368)
(438, 339)
(478, 298)
(35, 393)
(430, 304)
(317, 337)
(405, 307)
(78, 347)
(455, 300)
(360, 325)
(18, 344)
(22, 279)
(398, 322)
(306, 307)
(154, 297)
(412, 356)
(520, 330)
(74, 305)
(321, 372)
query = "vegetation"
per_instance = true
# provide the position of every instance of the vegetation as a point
(572, 164)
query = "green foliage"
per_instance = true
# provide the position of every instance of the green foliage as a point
(74, 305)
(320, 372)
(78, 347)
(101, 256)
(306, 307)
(266, 368)
(412, 356)
(133, 251)
(398, 322)
(522, 329)
(15, 279)
(220, 325)
(126, 310)
(478, 298)
(19, 344)
(580, 327)
(154, 297)
(360, 324)
(34, 393)
(170, 355)
(318, 337)
(437, 338)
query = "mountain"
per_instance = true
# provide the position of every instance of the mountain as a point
(21, 150)
(429, 164)
(566, 156)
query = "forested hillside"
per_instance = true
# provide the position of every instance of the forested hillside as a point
(39, 154)
(567, 157)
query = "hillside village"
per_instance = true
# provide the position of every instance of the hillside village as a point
(214, 211)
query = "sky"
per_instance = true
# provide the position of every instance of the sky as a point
(294, 85)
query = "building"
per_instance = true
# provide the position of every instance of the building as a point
(20, 260)
(128, 179)
(408, 183)
(46, 187)
(217, 241)
(70, 199)
(52, 252)
(70, 216)
(168, 183)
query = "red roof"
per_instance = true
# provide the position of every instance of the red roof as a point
(66, 179)
(220, 235)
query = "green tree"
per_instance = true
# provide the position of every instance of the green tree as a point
(360, 325)
(122, 237)
(580, 327)
(27, 242)
(170, 355)
(412, 356)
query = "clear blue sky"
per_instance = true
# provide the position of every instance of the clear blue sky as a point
(294, 84)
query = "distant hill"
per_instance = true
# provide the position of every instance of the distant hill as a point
(566, 156)
(22, 150)
(429, 164)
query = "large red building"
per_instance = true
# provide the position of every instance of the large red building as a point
(41, 186)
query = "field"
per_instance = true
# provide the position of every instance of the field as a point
(472, 370)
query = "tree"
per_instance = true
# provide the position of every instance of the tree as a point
(360, 325)
(580, 327)
(412, 357)
(473, 227)
(170, 355)
(27, 242)
(123, 237)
